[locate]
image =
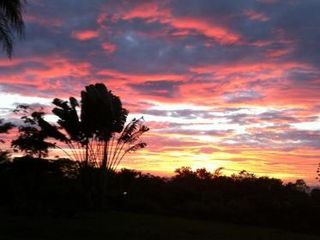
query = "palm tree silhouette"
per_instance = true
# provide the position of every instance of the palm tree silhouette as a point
(96, 135)
(99, 136)
(11, 23)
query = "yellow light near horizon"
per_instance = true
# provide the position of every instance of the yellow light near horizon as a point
(165, 162)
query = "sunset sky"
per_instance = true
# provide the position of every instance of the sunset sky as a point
(233, 84)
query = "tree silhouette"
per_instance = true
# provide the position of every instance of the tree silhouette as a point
(33, 133)
(11, 23)
(98, 137)
(93, 132)
(4, 128)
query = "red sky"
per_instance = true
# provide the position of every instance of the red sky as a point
(231, 84)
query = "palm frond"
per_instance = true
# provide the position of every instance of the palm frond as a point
(11, 21)
(68, 117)
(101, 111)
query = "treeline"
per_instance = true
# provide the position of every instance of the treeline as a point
(33, 186)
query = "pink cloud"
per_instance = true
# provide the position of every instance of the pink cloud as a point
(256, 16)
(85, 35)
(109, 47)
(153, 12)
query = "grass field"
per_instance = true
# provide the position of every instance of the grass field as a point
(119, 225)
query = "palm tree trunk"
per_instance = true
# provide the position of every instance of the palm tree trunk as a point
(103, 179)
(105, 156)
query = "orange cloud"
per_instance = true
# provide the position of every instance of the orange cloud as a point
(43, 21)
(148, 10)
(221, 34)
(85, 35)
(152, 12)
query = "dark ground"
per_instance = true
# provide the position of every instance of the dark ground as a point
(120, 225)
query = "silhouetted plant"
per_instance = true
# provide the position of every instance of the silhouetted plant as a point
(203, 174)
(218, 172)
(4, 156)
(300, 185)
(98, 137)
(33, 133)
(315, 194)
(243, 175)
(5, 127)
(11, 23)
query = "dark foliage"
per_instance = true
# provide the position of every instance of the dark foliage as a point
(35, 186)
(5, 127)
(95, 135)
(33, 133)
(241, 198)
(94, 129)
(11, 23)
(4, 156)
(55, 187)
